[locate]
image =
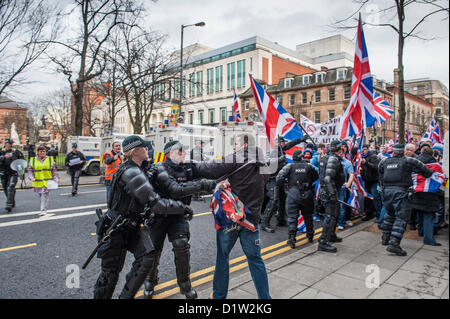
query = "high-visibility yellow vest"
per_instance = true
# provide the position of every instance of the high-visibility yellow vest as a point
(42, 171)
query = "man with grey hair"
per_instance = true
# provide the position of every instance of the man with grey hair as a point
(410, 150)
(395, 177)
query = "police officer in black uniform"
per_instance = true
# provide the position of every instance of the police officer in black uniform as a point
(271, 189)
(174, 179)
(395, 178)
(75, 161)
(132, 197)
(9, 176)
(331, 174)
(300, 177)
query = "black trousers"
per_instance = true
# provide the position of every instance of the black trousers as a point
(74, 179)
(9, 188)
(397, 213)
(176, 228)
(272, 206)
(112, 252)
(330, 218)
(295, 202)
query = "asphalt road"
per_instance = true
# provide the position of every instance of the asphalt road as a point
(41, 257)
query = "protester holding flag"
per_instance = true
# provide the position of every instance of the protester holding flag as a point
(300, 196)
(248, 185)
(425, 202)
(395, 177)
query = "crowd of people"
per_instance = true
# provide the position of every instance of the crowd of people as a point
(317, 184)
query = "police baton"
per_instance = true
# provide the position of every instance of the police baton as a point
(224, 177)
(345, 204)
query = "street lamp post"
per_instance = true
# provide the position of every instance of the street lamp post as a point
(198, 24)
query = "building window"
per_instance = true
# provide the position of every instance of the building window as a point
(288, 83)
(317, 117)
(291, 99)
(223, 114)
(191, 117)
(319, 77)
(347, 92)
(280, 99)
(210, 81)
(211, 116)
(306, 79)
(199, 83)
(331, 94)
(241, 73)
(246, 105)
(231, 73)
(340, 74)
(304, 98)
(219, 78)
(200, 117)
(331, 114)
(251, 64)
(192, 84)
(317, 96)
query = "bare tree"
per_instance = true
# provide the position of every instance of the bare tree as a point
(26, 26)
(428, 8)
(98, 18)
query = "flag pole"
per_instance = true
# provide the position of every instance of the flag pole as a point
(306, 133)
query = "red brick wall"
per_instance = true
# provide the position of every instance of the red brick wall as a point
(265, 70)
(19, 117)
(281, 66)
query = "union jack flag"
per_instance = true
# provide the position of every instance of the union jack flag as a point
(436, 136)
(236, 113)
(360, 112)
(301, 227)
(382, 108)
(277, 121)
(353, 200)
(429, 132)
(431, 184)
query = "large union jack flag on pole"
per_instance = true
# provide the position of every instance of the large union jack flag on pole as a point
(360, 112)
(277, 121)
(236, 113)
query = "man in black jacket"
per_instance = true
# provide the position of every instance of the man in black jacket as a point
(395, 177)
(174, 179)
(75, 161)
(332, 177)
(273, 191)
(131, 196)
(248, 185)
(9, 176)
(369, 174)
(300, 177)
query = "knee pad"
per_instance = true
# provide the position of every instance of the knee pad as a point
(181, 243)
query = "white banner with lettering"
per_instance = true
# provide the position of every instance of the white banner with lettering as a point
(322, 132)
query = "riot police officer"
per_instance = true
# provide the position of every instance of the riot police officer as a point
(331, 174)
(271, 189)
(131, 196)
(395, 178)
(300, 177)
(9, 176)
(75, 161)
(174, 179)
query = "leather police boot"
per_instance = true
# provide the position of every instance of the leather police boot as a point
(267, 228)
(394, 247)
(8, 209)
(326, 247)
(149, 289)
(310, 236)
(385, 239)
(335, 239)
(187, 290)
(292, 240)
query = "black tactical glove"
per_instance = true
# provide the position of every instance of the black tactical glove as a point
(304, 138)
(208, 185)
(188, 212)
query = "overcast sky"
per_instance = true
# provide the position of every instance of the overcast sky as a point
(288, 22)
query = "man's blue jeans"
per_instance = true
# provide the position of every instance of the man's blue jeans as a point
(250, 242)
(342, 196)
(425, 226)
(372, 189)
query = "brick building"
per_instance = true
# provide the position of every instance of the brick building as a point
(12, 115)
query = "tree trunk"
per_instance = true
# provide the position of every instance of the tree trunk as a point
(401, 91)
(78, 97)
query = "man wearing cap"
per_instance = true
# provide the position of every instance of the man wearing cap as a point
(74, 161)
(9, 176)
(395, 178)
(175, 179)
(132, 200)
(300, 177)
(331, 175)
(272, 190)
(112, 161)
